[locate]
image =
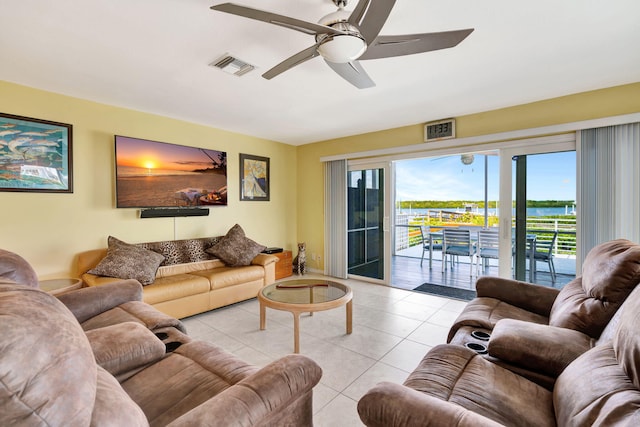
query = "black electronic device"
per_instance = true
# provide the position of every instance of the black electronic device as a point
(272, 250)
(173, 212)
(442, 129)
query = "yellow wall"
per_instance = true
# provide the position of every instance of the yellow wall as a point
(50, 229)
(584, 106)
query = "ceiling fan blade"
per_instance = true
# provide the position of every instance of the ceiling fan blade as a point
(353, 73)
(273, 18)
(370, 15)
(291, 62)
(409, 44)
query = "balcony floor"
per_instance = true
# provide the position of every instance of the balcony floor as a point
(408, 274)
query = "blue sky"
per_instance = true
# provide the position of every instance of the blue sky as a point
(549, 177)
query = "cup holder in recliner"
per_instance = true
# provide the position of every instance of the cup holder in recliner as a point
(481, 335)
(162, 335)
(171, 346)
(477, 347)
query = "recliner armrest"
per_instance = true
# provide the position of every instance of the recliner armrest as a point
(540, 348)
(531, 297)
(259, 396)
(388, 404)
(89, 302)
(124, 348)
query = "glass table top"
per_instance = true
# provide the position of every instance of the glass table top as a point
(305, 291)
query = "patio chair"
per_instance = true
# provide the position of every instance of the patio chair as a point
(545, 243)
(429, 243)
(457, 242)
(488, 247)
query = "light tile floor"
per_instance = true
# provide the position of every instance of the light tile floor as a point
(392, 330)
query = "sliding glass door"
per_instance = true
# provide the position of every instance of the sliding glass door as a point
(539, 232)
(367, 222)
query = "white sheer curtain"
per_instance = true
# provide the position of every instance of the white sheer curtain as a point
(335, 223)
(609, 185)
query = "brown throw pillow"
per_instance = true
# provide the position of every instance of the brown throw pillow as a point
(126, 261)
(235, 249)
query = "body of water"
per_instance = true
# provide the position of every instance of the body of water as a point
(493, 212)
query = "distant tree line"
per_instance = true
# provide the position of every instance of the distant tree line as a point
(444, 204)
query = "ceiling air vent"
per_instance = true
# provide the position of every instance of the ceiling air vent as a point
(231, 65)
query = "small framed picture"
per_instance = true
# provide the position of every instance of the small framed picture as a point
(35, 155)
(254, 178)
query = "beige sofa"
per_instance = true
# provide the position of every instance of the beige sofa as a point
(189, 280)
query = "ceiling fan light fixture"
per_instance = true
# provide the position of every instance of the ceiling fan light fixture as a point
(342, 48)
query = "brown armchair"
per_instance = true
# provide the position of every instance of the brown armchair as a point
(610, 272)
(52, 374)
(455, 386)
(97, 307)
(535, 330)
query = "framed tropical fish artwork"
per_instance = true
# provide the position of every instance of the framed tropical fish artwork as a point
(35, 155)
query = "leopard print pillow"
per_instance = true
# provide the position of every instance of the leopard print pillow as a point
(182, 251)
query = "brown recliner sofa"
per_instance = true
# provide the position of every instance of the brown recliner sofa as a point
(98, 307)
(49, 375)
(455, 386)
(536, 330)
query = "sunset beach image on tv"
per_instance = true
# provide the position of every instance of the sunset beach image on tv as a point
(152, 174)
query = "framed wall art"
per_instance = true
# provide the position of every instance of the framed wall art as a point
(254, 178)
(35, 155)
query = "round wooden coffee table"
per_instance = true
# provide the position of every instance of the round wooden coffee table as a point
(305, 296)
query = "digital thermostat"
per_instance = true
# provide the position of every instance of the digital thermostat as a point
(442, 129)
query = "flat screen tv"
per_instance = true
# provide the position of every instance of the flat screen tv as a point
(152, 174)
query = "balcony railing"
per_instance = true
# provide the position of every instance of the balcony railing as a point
(407, 237)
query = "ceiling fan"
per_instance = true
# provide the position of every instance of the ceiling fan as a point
(343, 38)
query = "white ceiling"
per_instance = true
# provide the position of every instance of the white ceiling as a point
(153, 56)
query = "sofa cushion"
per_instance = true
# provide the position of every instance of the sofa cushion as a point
(484, 313)
(610, 272)
(170, 288)
(626, 341)
(235, 249)
(127, 261)
(594, 390)
(196, 371)
(113, 406)
(458, 375)
(172, 270)
(229, 276)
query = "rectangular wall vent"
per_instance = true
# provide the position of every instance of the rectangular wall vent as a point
(232, 65)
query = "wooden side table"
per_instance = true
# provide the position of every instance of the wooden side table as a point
(284, 267)
(60, 286)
